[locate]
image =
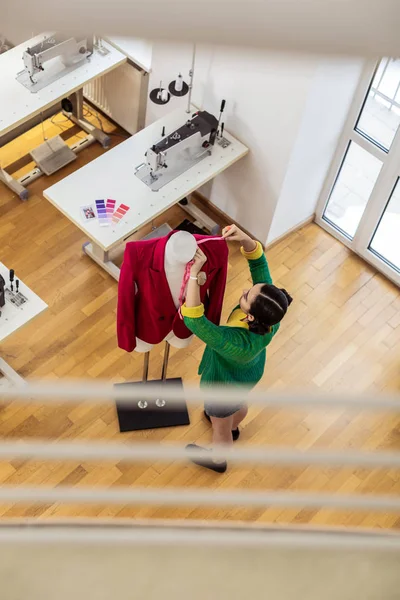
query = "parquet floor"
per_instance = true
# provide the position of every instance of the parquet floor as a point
(342, 333)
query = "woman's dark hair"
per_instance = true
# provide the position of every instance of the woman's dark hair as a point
(268, 308)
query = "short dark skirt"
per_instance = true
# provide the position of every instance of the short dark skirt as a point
(222, 410)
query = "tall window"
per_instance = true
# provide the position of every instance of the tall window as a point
(361, 204)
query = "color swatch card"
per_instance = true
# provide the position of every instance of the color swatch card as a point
(119, 213)
(101, 211)
(87, 212)
(110, 208)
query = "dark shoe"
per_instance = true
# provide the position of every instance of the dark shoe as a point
(207, 462)
(235, 432)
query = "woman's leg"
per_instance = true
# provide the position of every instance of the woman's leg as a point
(222, 436)
(222, 431)
(238, 417)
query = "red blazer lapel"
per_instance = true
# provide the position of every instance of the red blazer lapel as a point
(159, 252)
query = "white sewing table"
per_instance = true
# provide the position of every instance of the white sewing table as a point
(112, 176)
(14, 317)
(18, 104)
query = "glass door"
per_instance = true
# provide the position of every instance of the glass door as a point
(385, 243)
(360, 203)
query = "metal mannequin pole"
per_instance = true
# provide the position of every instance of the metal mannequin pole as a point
(149, 414)
(165, 363)
(146, 366)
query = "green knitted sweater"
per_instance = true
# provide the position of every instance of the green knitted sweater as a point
(233, 355)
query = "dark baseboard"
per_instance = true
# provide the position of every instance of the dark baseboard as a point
(223, 219)
(220, 216)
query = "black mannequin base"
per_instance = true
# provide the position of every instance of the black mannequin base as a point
(133, 418)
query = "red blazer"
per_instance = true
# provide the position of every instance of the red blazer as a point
(150, 314)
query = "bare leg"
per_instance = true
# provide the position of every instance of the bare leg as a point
(239, 416)
(222, 436)
(222, 431)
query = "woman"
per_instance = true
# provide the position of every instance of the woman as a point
(235, 354)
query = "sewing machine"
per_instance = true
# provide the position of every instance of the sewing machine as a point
(70, 51)
(179, 151)
(112, 173)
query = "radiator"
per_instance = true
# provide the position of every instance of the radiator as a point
(121, 95)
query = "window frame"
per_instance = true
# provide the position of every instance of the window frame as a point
(382, 190)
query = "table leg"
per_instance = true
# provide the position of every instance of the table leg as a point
(18, 186)
(101, 257)
(13, 184)
(78, 118)
(9, 373)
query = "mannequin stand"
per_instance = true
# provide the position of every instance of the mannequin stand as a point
(154, 413)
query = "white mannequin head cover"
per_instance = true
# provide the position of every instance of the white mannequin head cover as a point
(181, 248)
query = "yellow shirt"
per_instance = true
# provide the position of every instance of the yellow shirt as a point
(236, 319)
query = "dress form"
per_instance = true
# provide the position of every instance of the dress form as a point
(179, 250)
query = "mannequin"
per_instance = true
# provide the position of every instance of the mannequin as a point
(180, 249)
(159, 269)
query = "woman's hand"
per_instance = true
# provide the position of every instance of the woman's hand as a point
(232, 233)
(199, 260)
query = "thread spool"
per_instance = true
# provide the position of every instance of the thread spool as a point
(178, 87)
(179, 83)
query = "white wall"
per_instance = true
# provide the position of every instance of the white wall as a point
(168, 60)
(17, 33)
(325, 112)
(288, 109)
(266, 95)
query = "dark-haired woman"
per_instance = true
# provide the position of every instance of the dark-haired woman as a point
(235, 353)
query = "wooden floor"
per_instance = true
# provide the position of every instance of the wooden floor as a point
(342, 333)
